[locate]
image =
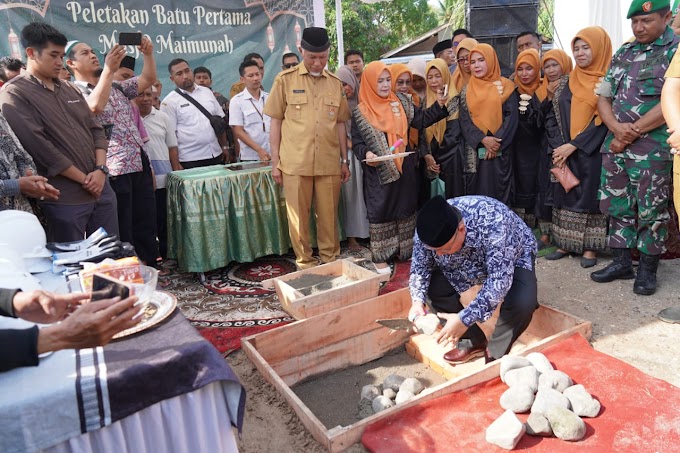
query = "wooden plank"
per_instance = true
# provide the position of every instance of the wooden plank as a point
(304, 337)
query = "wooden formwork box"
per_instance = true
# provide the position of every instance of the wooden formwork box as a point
(350, 336)
(365, 285)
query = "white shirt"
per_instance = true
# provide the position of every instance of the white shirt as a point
(161, 137)
(245, 111)
(195, 136)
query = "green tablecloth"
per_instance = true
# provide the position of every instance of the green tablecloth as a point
(217, 215)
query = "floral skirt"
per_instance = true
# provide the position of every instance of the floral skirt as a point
(392, 239)
(578, 231)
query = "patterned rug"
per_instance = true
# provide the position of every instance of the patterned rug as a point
(229, 303)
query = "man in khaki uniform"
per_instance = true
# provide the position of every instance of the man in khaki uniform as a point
(309, 150)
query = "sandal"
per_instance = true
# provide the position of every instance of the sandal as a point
(556, 255)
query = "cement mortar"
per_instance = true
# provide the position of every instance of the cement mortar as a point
(333, 398)
(309, 284)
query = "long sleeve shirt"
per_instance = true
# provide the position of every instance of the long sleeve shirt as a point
(18, 347)
(496, 242)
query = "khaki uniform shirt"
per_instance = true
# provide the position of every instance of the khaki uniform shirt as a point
(310, 108)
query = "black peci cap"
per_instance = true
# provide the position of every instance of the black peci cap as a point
(437, 222)
(315, 39)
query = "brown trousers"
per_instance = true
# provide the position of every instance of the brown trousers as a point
(324, 192)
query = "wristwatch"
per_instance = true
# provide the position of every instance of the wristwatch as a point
(103, 168)
(344, 161)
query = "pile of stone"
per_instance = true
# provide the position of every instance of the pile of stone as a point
(555, 404)
(394, 390)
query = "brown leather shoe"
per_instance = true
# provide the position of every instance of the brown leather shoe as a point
(456, 356)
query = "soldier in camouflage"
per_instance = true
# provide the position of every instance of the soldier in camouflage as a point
(636, 160)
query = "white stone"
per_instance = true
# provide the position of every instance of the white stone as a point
(391, 394)
(403, 396)
(540, 362)
(527, 375)
(369, 392)
(427, 324)
(412, 385)
(538, 425)
(547, 398)
(555, 379)
(505, 431)
(565, 424)
(393, 381)
(510, 362)
(380, 403)
(582, 403)
(518, 398)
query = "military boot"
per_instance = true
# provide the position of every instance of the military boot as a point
(619, 269)
(645, 282)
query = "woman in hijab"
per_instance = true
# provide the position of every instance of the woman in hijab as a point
(527, 145)
(444, 148)
(462, 74)
(488, 118)
(353, 205)
(576, 132)
(556, 63)
(402, 80)
(417, 68)
(379, 123)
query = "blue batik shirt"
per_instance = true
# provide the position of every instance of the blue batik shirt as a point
(496, 242)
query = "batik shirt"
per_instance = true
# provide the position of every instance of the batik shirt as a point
(634, 82)
(496, 242)
(14, 161)
(123, 155)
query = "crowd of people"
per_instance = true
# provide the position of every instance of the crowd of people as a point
(579, 151)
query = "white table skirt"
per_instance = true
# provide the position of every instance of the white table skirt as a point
(193, 422)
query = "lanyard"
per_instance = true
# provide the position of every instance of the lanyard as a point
(259, 113)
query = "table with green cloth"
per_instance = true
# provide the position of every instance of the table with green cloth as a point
(219, 214)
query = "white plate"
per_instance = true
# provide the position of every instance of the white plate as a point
(388, 157)
(160, 306)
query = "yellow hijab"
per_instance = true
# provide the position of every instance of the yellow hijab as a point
(561, 57)
(437, 129)
(460, 77)
(582, 81)
(385, 114)
(486, 95)
(530, 57)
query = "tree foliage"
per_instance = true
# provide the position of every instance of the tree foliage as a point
(378, 28)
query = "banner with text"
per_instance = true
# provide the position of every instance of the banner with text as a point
(216, 34)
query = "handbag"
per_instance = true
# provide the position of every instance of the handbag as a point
(437, 187)
(216, 121)
(565, 177)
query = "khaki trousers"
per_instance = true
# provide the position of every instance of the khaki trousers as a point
(324, 192)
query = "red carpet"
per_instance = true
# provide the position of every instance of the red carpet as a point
(639, 413)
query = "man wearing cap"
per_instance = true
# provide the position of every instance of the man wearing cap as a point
(636, 160)
(444, 50)
(309, 147)
(468, 241)
(127, 164)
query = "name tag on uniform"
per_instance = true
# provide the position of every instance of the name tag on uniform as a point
(298, 91)
(183, 105)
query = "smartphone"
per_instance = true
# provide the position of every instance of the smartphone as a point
(129, 39)
(105, 287)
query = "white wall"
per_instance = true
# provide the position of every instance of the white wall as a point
(574, 15)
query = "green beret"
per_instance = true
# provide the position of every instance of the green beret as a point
(644, 7)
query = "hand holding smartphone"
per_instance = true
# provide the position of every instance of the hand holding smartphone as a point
(105, 287)
(130, 39)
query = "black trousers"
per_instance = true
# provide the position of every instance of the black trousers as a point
(516, 310)
(162, 221)
(219, 160)
(137, 210)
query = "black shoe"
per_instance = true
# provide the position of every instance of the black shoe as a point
(619, 269)
(588, 262)
(556, 255)
(645, 282)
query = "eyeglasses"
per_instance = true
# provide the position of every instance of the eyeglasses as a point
(404, 83)
(289, 65)
(462, 60)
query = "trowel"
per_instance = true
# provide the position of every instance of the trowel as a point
(396, 323)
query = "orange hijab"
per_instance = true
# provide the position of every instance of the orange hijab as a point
(460, 77)
(530, 57)
(397, 70)
(385, 114)
(561, 57)
(486, 95)
(438, 129)
(583, 81)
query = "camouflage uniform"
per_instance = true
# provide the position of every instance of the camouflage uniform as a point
(634, 184)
